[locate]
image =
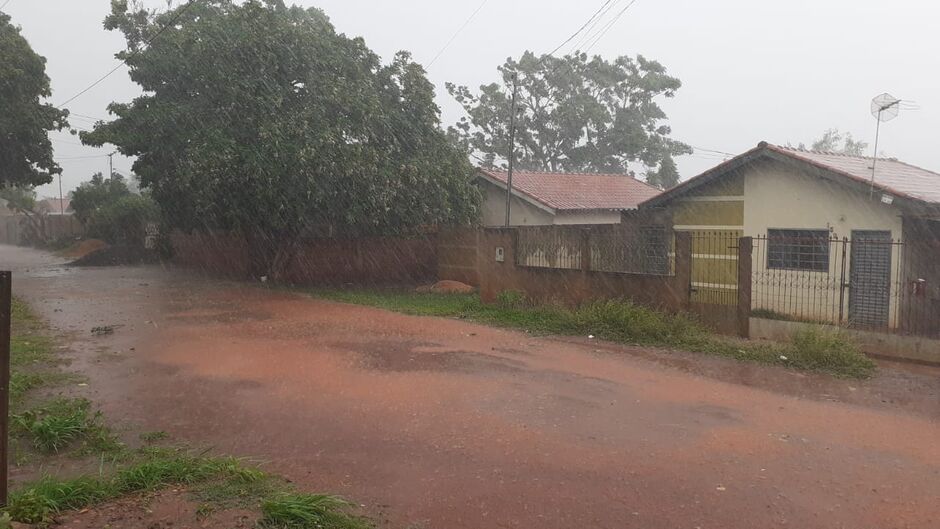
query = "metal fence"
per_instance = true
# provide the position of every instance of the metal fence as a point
(715, 267)
(549, 247)
(865, 282)
(608, 248)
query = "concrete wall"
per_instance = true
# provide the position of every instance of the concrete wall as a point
(898, 346)
(574, 287)
(369, 260)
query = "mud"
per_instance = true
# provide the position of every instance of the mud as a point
(442, 423)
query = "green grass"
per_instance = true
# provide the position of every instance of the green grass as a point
(623, 322)
(42, 500)
(63, 422)
(309, 511)
(216, 482)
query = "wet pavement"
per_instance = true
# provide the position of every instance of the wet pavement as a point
(438, 423)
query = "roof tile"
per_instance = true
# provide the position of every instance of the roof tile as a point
(576, 191)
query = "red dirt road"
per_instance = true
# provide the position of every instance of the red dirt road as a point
(437, 423)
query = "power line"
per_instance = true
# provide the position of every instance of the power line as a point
(67, 158)
(456, 33)
(133, 54)
(609, 25)
(587, 35)
(575, 34)
(5, 4)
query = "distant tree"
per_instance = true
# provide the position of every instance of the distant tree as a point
(260, 118)
(838, 142)
(91, 196)
(22, 200)
(666, 177)
(575, 113)
(25, 121)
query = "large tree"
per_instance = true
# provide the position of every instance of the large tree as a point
(574, 113)
(25, 121)
(835, 141)
(259, 117)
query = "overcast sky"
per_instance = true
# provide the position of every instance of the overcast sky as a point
(751, 70)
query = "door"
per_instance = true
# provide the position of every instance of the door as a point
(870, 278)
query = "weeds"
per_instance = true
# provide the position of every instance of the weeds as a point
(39, 502)
(63, 421)
(153, 437)
(623, 322)
(303, 511)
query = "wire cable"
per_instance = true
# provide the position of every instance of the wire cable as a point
(5, 4)
(575, 34)
(133, 54)
(586, 36)
(456, 33)
(609, 25)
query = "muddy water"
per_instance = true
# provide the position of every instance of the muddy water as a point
(441, 423)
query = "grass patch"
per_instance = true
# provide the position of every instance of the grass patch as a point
(41, 501)
(313, 511)
(623, 322)
(63, 422)
(216, 482)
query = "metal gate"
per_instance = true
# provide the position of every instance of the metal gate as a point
(870, 278)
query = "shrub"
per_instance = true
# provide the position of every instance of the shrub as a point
(511, 299)
(123, 221)
(831, 351)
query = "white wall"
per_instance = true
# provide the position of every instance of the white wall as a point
(778, 197)
(521, 212)
(588, 217)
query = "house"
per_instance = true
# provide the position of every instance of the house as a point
(56, 206)
(830, 243)
(560, 198)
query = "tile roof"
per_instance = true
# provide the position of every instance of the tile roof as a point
(578, 191)
(890, 174)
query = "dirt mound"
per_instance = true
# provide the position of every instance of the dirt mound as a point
(447, 287)
(117, 255)
(82, 248)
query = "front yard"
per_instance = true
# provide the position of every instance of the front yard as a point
(623, 322)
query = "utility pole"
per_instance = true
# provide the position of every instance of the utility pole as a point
(111, 165)
(512, 149)
(6, 317)
(61, 202)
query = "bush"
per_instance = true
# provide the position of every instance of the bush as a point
(831, 351)
(124, 221)
(511, 299)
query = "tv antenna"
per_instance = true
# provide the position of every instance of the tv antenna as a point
(884, 107)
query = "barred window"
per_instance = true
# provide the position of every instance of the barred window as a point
(655, 247)
(798, 250)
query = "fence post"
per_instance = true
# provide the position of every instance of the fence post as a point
(585, 250)
(6, 317)
(745, 249)
(683, 267)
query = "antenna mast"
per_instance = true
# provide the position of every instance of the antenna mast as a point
(884, 107)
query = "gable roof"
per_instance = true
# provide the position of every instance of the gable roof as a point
(575, 191)
(894, 177)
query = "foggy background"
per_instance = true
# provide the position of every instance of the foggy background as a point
(751, 71)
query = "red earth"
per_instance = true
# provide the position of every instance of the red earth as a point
(430, 422)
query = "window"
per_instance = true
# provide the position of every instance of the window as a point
(654, 246)
(798, 250)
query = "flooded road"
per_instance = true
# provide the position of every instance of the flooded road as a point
(437, 423)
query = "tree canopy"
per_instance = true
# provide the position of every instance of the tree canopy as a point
(91, 196)
(261, 118)
(25, 121)
(835, 141)
(575, 113)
